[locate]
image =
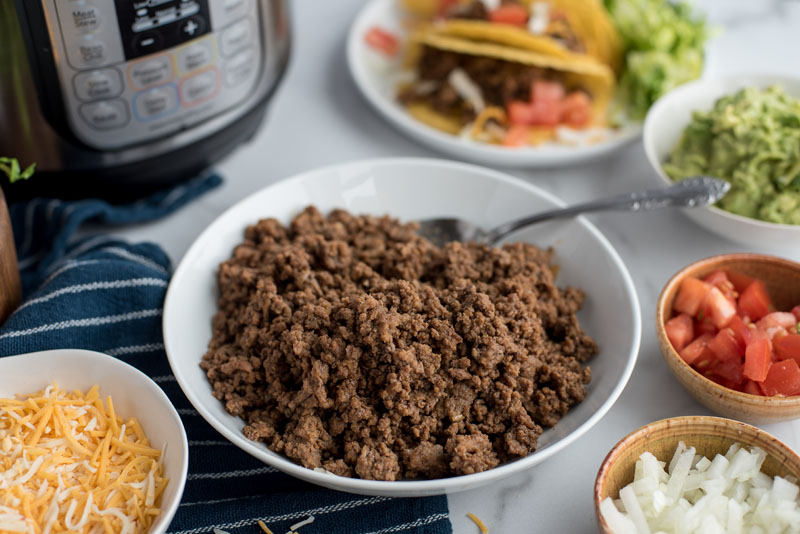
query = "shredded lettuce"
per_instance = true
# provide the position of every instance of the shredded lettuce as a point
(663, 43)
(10, 167)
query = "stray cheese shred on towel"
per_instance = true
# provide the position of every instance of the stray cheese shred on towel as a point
(69, 463)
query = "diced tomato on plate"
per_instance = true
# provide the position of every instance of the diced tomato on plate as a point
(517, 135)
(382, 40)
(515, 14)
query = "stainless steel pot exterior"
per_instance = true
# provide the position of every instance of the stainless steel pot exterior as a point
(28, 134)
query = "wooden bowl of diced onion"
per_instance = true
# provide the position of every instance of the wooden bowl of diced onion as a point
(781, 279)
(708, 435)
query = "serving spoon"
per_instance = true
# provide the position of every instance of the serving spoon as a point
(688, 193)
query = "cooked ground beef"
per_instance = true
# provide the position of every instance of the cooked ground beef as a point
(352, 344)
(500, 81)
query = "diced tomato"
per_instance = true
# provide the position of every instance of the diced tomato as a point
(725, 346)
(796, 312)
(576, 109)
(740, 281)
(697, 348)
(546, 91)
(740, 330)
(515, 14)
(704, 326)
(534, 114)
(517, 135)
(754, 302)
(783, 378)
(788, 347)
(730, 370)
(382, 41)
(757, 359)
(718, 308)
(716, 278)
(445, 5)
(784, 320)
(690, 295)
(680, 330)
(720, 280)
(751, 387)
(519, 112)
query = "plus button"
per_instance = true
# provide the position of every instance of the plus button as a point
(190, 27)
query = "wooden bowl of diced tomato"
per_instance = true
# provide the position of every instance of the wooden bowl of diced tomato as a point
(729, 329)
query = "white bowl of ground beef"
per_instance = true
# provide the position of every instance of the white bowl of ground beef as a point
(257, 348)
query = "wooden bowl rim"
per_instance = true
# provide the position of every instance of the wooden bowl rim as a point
(671, 354)
(687, 422)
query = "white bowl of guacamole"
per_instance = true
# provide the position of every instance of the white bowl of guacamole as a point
(745, 129)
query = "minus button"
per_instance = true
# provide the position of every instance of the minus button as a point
(147, 43)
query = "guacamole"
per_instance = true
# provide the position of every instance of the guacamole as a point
(752, 140)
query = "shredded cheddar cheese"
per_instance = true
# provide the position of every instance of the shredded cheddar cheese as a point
(71, 464)
(478, 522)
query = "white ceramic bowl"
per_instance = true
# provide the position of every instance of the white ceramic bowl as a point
(412, 189)
(134, 395)
(663, 127)
(376, 78)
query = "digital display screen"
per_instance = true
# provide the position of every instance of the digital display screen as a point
(149, 26)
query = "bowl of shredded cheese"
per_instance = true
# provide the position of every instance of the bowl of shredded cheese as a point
(88, 444)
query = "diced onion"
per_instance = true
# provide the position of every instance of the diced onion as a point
(695, 495)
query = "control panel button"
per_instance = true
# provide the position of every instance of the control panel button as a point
(91, 52)
(200, 87)
(98, 84)
(147, 43)
(240, 67)
(85, 18)
(155, 103)
(191, 27)
(235, 8)
(106, 114)
(149, 72)
(235, 38)
(196, 56)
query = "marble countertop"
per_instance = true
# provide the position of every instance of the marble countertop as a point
(318, 117)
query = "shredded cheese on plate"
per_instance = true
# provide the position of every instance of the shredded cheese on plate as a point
(69, 463)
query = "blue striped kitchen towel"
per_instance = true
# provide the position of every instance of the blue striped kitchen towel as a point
(101, 293)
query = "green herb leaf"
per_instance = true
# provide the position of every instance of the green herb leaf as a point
(11, 168)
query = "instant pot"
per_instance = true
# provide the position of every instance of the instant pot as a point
(121, 95)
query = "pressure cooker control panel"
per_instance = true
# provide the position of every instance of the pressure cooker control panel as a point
(132, 71)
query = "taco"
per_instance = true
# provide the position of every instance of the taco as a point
(501, 94)
(561, 28)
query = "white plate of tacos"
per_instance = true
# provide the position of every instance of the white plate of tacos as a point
(538, 93)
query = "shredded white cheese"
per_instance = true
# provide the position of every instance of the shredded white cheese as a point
(70, 464)
(304, 522)
(539, 17)
(466, 88)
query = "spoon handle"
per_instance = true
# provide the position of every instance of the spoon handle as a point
(691, 192)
